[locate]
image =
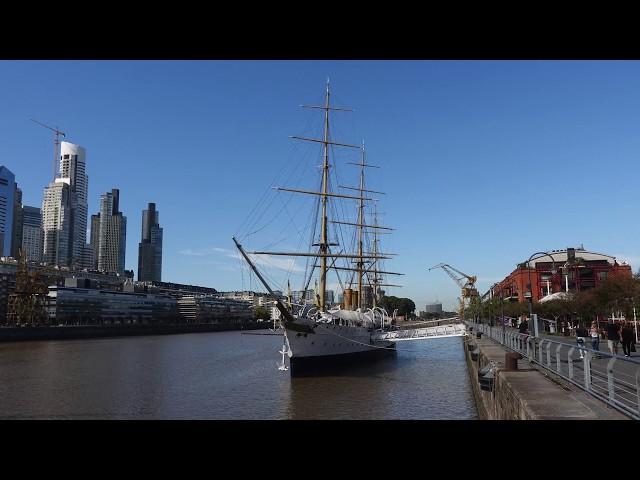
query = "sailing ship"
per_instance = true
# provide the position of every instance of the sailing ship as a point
(319, 334)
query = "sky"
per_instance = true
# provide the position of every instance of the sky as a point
(483, 162)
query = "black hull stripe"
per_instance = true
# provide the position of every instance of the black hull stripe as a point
(302, 366)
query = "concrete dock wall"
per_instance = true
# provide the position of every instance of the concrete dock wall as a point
(17, 334)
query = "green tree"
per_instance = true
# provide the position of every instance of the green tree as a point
(262, 313)
(403, 305)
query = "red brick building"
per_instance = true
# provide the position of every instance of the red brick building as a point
(576, 270)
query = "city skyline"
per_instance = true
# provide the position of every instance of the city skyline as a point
(475, 154)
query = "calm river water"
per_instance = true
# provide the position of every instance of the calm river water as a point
(224, 375)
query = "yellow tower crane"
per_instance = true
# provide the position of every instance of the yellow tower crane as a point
(468, 287)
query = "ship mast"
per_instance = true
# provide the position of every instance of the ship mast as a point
(324, 243)
(324, 247)
(375, 249)
(361, 223)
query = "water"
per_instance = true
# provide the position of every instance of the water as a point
(224, 375)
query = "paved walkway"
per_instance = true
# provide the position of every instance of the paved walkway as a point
(534, 394)
(626, 370)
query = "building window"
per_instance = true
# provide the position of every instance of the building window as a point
(66, 157)
(602, 276)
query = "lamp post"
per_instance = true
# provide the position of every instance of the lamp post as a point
(502, 314)
(635, 321)
(553, 272)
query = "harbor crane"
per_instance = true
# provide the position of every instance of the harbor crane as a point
(56, 143)
(467, 287)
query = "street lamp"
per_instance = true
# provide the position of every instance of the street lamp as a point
(504, 327)
(553, 272)
(635, 320)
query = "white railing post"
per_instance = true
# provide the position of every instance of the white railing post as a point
(528, 348)
(638, 387)
(558, 362)
(570, 361)
(587, 371)
(540, 345)
(549, 354)
(610, 378)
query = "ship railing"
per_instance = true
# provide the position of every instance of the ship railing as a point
(614, 379)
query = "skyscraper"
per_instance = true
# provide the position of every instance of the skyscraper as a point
(16, 241)
(32, 233)
(64, 211)
(56, 223)
(150, 247)
(7, 202)
(113, 234)
(95, 239)
(73, 172)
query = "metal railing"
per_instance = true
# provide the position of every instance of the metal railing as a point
(613, 379)
(456, 330)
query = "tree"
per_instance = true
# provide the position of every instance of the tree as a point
(262, 313)
(403, 305)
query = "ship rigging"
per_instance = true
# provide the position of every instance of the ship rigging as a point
(325, 332)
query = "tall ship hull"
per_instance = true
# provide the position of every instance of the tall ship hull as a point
(331, 344)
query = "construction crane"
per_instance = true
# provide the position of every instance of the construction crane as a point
(56, 143)
(468, 287)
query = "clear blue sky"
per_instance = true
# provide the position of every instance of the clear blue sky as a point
(485, 162)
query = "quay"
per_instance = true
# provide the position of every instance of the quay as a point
(517, 389)
(75, 332)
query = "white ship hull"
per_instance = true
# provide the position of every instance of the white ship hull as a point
(327, 344)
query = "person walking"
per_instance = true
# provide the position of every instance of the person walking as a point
(524, 330)
(613, 336)
(581, 335)
(627, 338)
(523, 327)
(595, 336)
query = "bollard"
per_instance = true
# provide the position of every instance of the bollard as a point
(486, 381)
(478, 334)
(511, 361)
(483, 371)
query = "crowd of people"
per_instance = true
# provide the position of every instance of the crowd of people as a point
(616, 333)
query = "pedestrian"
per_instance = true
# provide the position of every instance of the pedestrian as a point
(613, 336)
(581, 335)
(595, 336)
(627, 338)
(523, 327)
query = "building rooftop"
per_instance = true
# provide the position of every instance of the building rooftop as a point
(561, 256)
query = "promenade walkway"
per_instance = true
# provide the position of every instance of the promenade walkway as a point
(612, 378)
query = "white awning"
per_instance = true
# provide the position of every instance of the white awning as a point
(556, 296)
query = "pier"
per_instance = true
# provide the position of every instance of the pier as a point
(509, 383)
